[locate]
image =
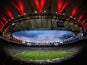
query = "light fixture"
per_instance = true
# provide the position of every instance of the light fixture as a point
(35, 11)
(56, 12)
(19, 15)
(63, 13)
(13, 24)
(71, 17)
(25, 14)
(44, 11)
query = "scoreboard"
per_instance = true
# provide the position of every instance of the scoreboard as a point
(60, 23)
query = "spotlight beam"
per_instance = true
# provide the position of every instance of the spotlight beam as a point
(80, 17)
(84, 21)
(1, 23)
(75, 11)
(85, 26)
(9, 13)
(40, 5)
(19, 6)
(4, 19)
(61, 5)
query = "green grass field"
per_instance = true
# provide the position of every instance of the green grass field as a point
(42, 55)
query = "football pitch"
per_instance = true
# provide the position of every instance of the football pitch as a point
(37, 55)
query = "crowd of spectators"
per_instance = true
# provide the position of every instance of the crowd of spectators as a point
(74, 38)
(9, 36)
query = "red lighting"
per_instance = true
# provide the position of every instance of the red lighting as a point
(19, 6)
(9, 13)
(83, 22)
(4, 19)
(1, 23)
(1, 28)
(80, 17)
(40, 5)
(74, 12)
(85, 26)
(61, 5)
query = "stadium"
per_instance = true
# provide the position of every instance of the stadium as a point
(38, 32)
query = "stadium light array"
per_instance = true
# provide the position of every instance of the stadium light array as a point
(44, 11)
(63, 13)
(56, 12)
(25, 14)
(19, 15)
(35, 12)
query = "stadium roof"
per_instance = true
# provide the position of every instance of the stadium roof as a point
(10, 9)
